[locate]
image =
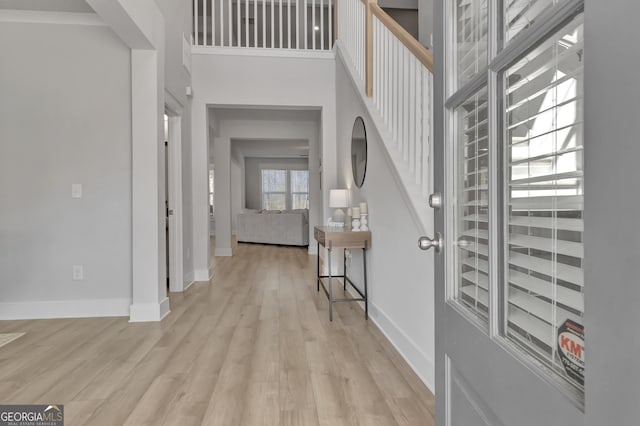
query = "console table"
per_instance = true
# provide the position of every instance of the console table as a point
(332, 238)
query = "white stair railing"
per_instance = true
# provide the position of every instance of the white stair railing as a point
(395, 72)
(268, 24)
(402, 93)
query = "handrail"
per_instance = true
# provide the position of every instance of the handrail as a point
(421, 52)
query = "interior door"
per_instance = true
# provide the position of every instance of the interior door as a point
(509, 165)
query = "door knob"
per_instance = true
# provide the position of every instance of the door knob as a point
(435, 200)
(425, 243)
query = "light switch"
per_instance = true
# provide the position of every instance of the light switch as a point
(76, 190)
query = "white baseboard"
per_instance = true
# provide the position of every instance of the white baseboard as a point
(65, 309)
(223, 252)
(147, 312)
(187, 280)
(202, 275)
(419, 362)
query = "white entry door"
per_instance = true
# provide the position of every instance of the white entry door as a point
(520, 223)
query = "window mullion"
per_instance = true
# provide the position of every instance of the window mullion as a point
(495, 201)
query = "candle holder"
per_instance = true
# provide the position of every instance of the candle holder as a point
(364, 222)
(355, 224)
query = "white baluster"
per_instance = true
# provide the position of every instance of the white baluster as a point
(289, 24)
(264, 23)
(412, 113)
(246, 23)
(313, 24)
(330, 24)
(321, 25)
(280, 23)
(213, 23)
(196, 12)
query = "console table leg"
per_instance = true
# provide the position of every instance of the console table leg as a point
(318, 266)
(344, 268)
(330, 289)
(366, 296)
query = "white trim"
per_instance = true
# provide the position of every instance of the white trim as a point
(65, 309)
(420, 363)
(188, 280)
(147, 312)
(57, 18)
(186, 287)
(223, 252)
(202, 275)
(250, 51)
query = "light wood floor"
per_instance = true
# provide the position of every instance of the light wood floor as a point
(254, 347)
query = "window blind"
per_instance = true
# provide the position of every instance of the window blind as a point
(543, 248)
(471, 38)
(472, 235)
(520, 14)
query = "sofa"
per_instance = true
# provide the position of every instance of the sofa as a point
(288, 227)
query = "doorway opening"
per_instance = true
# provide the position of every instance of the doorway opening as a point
(173, 196)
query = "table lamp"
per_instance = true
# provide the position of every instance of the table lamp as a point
(338, 199)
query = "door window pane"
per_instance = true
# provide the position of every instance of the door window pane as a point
(470, 38)
(543, 250)
(472, 236)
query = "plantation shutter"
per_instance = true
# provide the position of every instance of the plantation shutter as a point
(543, 192)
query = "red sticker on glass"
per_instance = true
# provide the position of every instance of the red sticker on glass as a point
(571, 349)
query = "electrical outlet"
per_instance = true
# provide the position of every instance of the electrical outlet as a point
(78, 273)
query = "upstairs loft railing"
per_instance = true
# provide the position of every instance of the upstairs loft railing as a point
(269, 24)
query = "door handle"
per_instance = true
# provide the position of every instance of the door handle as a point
(425, 243)
(435, 200)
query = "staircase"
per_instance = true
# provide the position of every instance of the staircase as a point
(394, 74)
(392, 70)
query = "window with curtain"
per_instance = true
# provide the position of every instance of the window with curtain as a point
(274, 189)
(285, 189)
(299, 189)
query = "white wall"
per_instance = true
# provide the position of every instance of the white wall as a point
(425, 22)
(253, 175)
(237, 200)
(65, 117)
(301, 81)
(178, 22)
(400, 275)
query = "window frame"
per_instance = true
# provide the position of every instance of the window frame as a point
(288, 193)
(501, 55)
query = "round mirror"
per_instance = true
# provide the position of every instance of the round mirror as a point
(359, 152)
